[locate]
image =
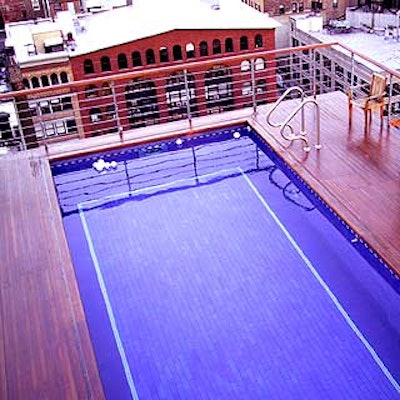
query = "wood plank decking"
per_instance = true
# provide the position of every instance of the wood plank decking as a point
(45, 349)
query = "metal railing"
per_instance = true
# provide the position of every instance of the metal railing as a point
(117, 104)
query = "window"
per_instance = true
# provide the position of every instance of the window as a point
(71, 125)
(335, 3)
(294, 7)
(66, 103)
(55, 105)
(26, 83)
(122, 61)
(228, 45)
(244, 43)
(177, 95)
(110, 112)
(259, 64)
(45, 80)
(44, 107)
(203, 49)
(54, 79)
(95, 114)
(301, 6)
(64, 77)
(91, 91)
(190, 50)
(88, 67)
(247, 89)
(245, 66)
(136, 59)
(56, 128)
(35, 82)
(150, 57)
(261, 86)
(105, 64)
(106, 89)
(216, 46)
(177, 52)
(258, 41)
(35, 5)
(164, 54)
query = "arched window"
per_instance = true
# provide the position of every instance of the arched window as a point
(26, 83)
(150, 57)
(164, 54)
(88, 67)
(91, 91)
(259, 64)
(216, 46)
(106, 89)
(64, 77)
(45, 80)
(177, 52)
(244, 43)
(54, 79)
(105, 64)
(245, 66)
(136, 59)
(228, 45)
(258, 41)
(35, 82)
(190, 50)
(122, 61)
(203, 49)
(95, 114)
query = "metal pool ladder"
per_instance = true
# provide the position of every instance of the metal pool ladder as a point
(285, 125)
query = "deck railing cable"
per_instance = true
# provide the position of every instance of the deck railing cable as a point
(116, 105)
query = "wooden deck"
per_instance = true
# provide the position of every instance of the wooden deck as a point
(45, 349)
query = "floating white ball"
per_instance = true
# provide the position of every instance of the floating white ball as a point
(179, 141)
(237, 135)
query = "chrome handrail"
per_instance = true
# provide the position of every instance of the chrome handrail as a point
(279, 101)
(302, 136)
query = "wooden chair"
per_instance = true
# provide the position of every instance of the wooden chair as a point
(369, 101)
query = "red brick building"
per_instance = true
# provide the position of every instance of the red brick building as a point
(162, 97)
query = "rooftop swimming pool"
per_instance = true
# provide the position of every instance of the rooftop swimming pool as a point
(209, 270)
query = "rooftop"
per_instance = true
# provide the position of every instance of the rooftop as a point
(143, 19)
(373, 43)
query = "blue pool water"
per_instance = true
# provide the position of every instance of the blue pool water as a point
(206, 273)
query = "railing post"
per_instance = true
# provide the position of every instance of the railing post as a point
(119, 125)
(352, 67)
(253, 85)
(20, 130)
(390, 100)
(188, 97)
(314, 73)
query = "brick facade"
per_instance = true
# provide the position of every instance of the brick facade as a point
(150, 101)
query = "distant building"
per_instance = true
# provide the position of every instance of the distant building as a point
(331, 9)
(23, 10)
(337, 70)
(133, 38)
